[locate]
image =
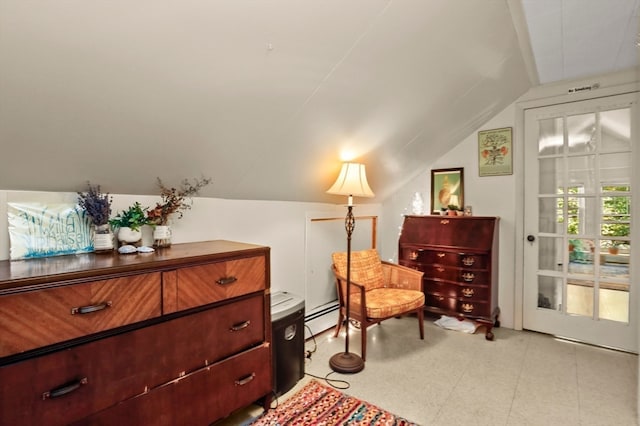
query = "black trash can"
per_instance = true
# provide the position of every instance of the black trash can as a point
(287, 321)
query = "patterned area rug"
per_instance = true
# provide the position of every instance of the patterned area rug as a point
(317, 404)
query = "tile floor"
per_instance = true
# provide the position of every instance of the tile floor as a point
(454, 378)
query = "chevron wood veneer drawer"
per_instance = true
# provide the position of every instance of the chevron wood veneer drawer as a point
(69, 385)
(203, 284)
(219, 389)
(40, 318)
(111, 339)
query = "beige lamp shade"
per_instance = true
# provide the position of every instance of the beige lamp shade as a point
(352, 181)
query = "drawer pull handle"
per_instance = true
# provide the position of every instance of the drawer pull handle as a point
(245, 380)
(91, 308)
(441, 255)
(467, 307)
(240, 326)
(64, 389)
(413, 255)
(468, 261)
(467, 292)
(227, 280)
(468, 276)
(440, 269)
(444, 221)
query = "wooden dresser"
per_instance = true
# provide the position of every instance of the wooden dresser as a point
(180, 336)
(459, 258)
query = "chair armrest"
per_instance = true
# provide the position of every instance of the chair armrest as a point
(398, 276)
(357, 290)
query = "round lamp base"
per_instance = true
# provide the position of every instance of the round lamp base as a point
(346, 363)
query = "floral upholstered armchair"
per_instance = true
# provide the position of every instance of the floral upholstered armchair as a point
(379, 290)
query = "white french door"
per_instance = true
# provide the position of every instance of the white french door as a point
(580, 185)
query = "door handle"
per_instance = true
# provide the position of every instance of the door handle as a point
(531, 238)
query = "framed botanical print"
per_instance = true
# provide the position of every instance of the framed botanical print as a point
(495, 152)
(447, 188)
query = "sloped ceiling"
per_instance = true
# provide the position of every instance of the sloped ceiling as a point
(578, 38)
(261, 96)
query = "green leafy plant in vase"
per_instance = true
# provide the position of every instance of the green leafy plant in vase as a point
(129, 223)
(452, 210)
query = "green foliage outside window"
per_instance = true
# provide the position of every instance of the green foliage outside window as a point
(615, 214)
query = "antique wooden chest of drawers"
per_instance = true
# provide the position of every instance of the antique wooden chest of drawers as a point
(459, 258)
(179, 336)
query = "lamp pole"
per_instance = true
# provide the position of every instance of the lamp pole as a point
(347, 362)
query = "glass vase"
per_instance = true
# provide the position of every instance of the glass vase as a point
(417, 205)
(162, 236)
(102, 238)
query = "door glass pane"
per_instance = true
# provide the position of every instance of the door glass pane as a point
(550, 216)
(551, 137)
(616, 129)
(581, 252)
(614, 259)
(551, 175)
(580, 297)
(616, 217)
(614, 302)
(582, 215)
(581, 132)
(549, 292)
(615, 169)
(582, 172)
(551, 253)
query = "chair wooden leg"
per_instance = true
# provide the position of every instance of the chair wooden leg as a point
(363, 345)
(421, 322)
(340, 321)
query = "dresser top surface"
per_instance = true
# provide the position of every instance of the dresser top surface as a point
(29, 272)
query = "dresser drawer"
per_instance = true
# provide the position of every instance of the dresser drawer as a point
(474, 308)
(429, 256)
(209, 336)
(200, 285)
(219, 390)
(441, 302)
(440, 272)
(442, 257)
(40, 318)
(471, 276)
(100, 374)
(476, 293)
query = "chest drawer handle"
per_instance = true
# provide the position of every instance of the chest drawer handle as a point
(468, 277)
(227, 280)
(468, 261)
(440, 255)
(467, 292)
(245, 380)
(64, 389)
(440, 269)
(467, 307)
(240, 326)
(91, 308)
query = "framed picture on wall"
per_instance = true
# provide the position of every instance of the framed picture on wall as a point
(495, 152)
(447, 188)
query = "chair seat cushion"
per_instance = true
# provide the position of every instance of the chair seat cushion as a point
(389, 302)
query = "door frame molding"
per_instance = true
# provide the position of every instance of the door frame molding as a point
(543, 96)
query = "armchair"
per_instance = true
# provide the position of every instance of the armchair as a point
(379, 290)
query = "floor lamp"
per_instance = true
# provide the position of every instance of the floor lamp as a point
(352, 182)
